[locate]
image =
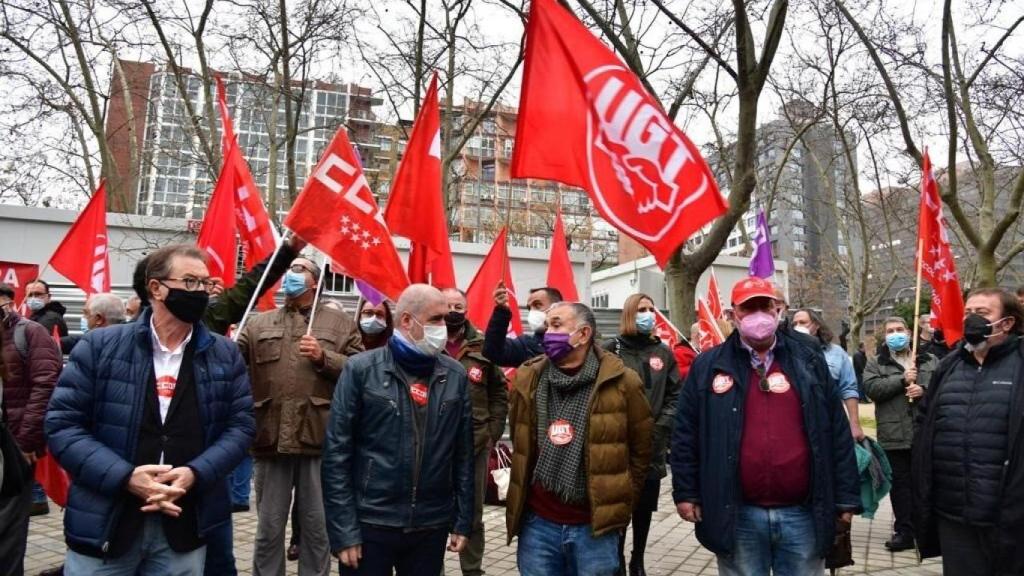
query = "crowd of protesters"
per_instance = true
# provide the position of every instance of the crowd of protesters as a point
(369, 432)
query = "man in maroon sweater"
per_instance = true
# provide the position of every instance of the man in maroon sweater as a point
(762, 458)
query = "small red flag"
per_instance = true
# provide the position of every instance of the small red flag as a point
(82, 255)
(217, 235)
(664, 330)
(937, 264)
(560, 274)
(227, 135)
(17, 275)
(337, 213)
(710, 334)
(714, 297)
(415, 207)
(53, 479)
(587, 121)
(495, 268)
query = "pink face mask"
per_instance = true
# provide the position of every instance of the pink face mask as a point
(758, 326)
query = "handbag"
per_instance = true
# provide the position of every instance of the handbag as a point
(841, 554)
(502, 472)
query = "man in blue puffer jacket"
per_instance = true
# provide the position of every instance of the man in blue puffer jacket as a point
(148, 419)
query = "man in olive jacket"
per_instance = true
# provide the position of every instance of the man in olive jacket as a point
(488, 393)
(293, 371)
(581, 435)
(894, 381)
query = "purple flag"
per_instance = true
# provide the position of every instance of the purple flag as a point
(370, 293)
(761, 263)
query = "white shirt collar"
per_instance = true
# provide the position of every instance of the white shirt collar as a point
(158, 345)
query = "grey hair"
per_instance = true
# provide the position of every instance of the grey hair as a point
(582, 313)
(415, 298)
(109, 306)
(893, 319)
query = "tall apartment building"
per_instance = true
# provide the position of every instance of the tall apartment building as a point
(174, 179)
(484, 197)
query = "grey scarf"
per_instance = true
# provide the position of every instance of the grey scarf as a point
(562, 397)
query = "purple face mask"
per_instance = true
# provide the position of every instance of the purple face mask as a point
(758, 326)
(556, 345)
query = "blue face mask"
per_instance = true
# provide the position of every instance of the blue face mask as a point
(83, 324)
(294, 285)
(645, 322)
(897, 341)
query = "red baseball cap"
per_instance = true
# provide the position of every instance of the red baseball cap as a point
(752, 287)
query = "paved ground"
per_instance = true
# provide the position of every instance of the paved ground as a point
(673, 548)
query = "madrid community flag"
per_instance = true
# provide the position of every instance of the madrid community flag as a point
(82, 255)
(936, 258)
(337, 213)
(585, 120)
(415, 207)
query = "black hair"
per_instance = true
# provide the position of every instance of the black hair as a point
(6, 290)
(41, 281)
(553, 293)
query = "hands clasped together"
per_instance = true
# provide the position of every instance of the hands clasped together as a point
(159, 486)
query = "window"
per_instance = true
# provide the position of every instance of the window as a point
(599, 301)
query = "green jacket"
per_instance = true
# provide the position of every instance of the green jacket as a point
(229, 307)
(488, 391)
(875, 475)
(884, 384)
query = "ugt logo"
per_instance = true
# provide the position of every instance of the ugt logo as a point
(634, 148)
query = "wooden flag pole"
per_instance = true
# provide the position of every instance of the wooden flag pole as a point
(316, 296)
(259, 286)
(917, 302)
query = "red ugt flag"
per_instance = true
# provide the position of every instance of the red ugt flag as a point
(337, 214)
(17, 275)
(936, 258)
(586, 120)
(82, 255)
(710, 334)
(415, 209)
(664, 330)
(714, 297)
(480, 294)
(560, 274)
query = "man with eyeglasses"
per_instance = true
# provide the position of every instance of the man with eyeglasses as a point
(762, 457)
(148, 418)
(294, 369)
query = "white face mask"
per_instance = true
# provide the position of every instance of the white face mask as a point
(536, 319)
(802, 330)
(372, 325)
(434, 338)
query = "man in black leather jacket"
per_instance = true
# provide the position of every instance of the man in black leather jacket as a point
(397, 464)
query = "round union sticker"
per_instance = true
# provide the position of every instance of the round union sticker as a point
(722, 383)
(656, 363)
(561, 432)
(476, 374)
(778, 383)
(418, 393)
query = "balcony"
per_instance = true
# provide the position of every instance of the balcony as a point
(363, 116)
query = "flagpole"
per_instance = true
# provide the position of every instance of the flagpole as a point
(259, 286)
(316, 296)
(917, 301)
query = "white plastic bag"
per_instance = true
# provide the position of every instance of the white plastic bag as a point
(502, 474)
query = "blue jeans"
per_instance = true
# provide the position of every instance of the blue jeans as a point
(777, 541)
(148, 555)
(38, 494)
(241, 482)
(550, 549)
(220, 551)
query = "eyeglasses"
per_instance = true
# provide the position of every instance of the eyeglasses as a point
(762, 375)
(299, 269)
(193, 284)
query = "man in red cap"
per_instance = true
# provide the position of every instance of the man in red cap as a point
(762, 458)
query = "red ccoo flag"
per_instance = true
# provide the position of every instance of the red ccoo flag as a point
(337, 214)
(714, 297)
(415, 209)
(217, 235)
(710, 334)
(936, 258)
(480, 295)
(82, 255)
(586, 120)
(560, 274)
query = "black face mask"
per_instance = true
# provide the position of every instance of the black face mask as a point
(455, 321)
(186, 306)
(977, 329)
